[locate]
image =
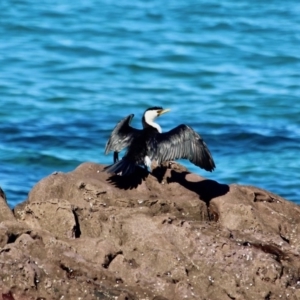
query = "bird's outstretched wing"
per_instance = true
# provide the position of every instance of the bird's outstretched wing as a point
(183, 142)
(122, 135)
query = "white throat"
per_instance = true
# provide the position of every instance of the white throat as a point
(148, 120)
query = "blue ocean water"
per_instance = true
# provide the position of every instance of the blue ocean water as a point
(70, 70)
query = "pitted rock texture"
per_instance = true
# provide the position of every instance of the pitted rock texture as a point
(170, 235)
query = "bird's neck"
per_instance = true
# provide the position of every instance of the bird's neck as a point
(152, 124)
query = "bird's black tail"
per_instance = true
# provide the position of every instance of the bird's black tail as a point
(123, 167)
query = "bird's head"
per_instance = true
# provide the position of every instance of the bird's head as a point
(154, 112)
(150, 114)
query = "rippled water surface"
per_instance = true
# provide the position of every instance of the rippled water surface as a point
(70, 70)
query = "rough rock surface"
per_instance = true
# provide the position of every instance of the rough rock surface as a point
(173, 235)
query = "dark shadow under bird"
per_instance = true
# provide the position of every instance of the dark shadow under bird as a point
(149, 144)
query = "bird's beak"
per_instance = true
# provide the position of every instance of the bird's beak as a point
(160, 112)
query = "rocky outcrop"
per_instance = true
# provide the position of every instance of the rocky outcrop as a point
(171, 235)
(5, 211)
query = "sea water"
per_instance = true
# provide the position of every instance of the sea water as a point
(70, 70)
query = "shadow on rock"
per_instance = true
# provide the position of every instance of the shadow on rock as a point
(130, 181)
(159, 172)
(206, 189)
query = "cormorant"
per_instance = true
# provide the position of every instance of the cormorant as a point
(150, 144)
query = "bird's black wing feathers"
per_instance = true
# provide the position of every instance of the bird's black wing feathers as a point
(183, 142)
(122, 135)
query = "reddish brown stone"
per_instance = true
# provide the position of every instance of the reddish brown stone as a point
(173, 235)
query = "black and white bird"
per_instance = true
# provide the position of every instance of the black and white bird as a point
(150, 144)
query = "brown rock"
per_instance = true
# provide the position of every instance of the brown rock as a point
(5, 211)
(174, 235)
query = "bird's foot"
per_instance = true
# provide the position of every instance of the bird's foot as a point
(176, 166)
(171, 162)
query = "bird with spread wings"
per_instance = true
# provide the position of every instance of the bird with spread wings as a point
(151, 144)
